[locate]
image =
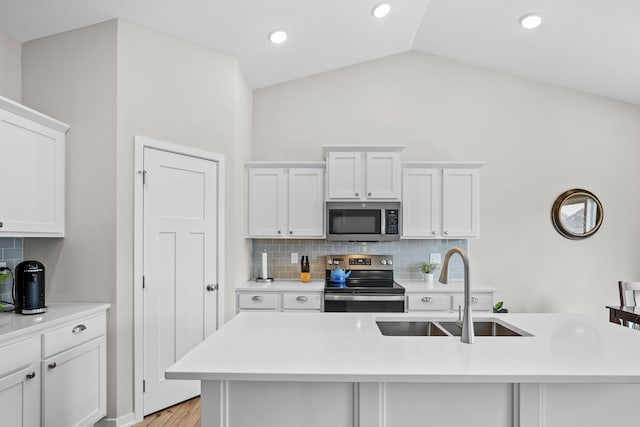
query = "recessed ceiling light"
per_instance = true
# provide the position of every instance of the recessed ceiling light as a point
(277, 36)
(381, 10)
(530, 21)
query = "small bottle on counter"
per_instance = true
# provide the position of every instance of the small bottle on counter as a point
(305, 271)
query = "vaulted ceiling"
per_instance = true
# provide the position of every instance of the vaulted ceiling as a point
(587, 45)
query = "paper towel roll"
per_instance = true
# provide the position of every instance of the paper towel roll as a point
(264, 266)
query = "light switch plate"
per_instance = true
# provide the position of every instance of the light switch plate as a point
(435, 258)
(294, 257)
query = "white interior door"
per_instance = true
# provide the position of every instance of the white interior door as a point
(180, 201)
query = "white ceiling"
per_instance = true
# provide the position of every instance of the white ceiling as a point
(588, 45)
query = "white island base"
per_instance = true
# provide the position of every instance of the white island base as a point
(338, 370)
(297, 404)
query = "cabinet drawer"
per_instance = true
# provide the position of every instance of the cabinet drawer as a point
(73, 334)
(258, 301)
(430, 302)
(479, 302)
(19, 354)
(301, 301)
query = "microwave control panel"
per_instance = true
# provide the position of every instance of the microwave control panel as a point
(391, 221)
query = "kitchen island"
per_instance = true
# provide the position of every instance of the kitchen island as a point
(337, 369)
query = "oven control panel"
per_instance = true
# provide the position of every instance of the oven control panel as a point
(361, 262)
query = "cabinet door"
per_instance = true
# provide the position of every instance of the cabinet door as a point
(74, 386)
(460, 203)
(344, 175)
(421, 194)
(479, 301)
(383, 175)
(306, 202)
(267, 204)
(20, 384)
(33, 162)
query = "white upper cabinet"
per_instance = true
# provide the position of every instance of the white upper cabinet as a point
(32, 148)
(441, 200)
(368, 173)
(285, 201)
(460, 203)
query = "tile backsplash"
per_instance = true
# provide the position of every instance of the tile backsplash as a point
(408, 255)
(11, 253)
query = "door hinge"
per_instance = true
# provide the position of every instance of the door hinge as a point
(144, 285)
(144, 386)
(143, 172)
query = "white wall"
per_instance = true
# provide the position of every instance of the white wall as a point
(10, 68)
(111, 81)
(538, 140)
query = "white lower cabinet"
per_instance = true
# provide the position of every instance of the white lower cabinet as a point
(447, 301)
(278, 301)
(73, 385)
(55, 377)
(20, 383)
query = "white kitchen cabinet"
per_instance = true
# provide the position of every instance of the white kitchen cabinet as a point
(74, 373)
(441, 202)
(285, 202)
(447, 301)
(20, 383)
(33, 161)
(369, 173)
(280, 295)
(279, 300)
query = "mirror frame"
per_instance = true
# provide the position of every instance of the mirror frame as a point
(559, 202)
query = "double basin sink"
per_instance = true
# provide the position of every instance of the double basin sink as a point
(446, 328)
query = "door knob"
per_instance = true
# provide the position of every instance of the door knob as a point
(212, 287)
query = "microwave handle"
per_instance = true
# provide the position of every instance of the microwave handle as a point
(383, 226)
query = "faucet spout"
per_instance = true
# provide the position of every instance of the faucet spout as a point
(467, 335)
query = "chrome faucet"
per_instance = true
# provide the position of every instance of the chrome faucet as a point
(467, 335)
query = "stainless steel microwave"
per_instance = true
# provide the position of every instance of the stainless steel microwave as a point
(363, 221)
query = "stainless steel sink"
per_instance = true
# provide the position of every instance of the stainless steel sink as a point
(484, 328)
(444, 328)
(410, 328)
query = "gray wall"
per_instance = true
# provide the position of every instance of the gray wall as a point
(110, 82)
(10, 68)
(537, 140)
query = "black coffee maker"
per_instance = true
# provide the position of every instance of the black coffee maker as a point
(29, 292)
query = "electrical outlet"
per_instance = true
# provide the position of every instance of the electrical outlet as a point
(3, 264)
(435, 258)
(294, 257)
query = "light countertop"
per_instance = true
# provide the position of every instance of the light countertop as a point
(349, 347)
(13, 325)
(422, 286)
(282, 285)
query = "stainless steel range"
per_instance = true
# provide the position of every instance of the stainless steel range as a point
(369, 286)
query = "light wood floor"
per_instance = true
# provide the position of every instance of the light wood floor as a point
(185, 414)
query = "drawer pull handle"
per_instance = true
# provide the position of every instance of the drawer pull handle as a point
(427, 299)
(79, 328)
(474, 299)
(302, 298)
(257, 298)
(31, 375)
(52, 365)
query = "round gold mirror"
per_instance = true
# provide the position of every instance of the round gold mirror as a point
(577, 214)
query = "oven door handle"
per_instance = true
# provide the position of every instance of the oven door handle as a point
(363, 297)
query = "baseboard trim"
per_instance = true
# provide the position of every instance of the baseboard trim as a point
(124, 421)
